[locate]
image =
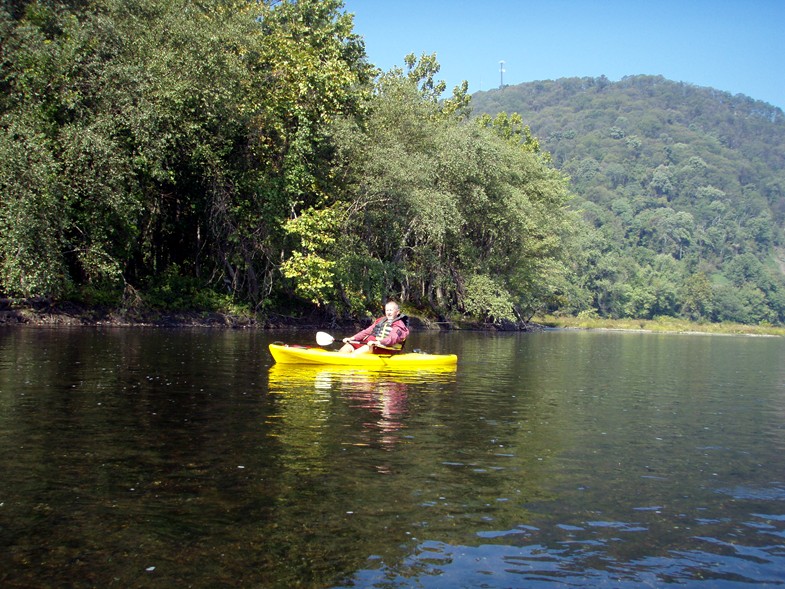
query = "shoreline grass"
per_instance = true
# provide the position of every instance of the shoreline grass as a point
(661, 324)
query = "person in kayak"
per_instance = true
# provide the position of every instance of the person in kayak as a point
(386, 335)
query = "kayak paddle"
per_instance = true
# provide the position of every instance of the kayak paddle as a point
(324, 339)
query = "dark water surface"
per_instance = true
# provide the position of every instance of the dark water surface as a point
(182, 458)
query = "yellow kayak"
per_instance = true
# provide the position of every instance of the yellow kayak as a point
(284, 354)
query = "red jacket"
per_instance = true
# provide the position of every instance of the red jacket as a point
(395, 337)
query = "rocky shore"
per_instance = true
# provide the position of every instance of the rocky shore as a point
(43, 313)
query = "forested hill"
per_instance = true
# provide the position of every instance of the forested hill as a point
(684, 186)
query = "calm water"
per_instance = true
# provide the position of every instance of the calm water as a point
(182, 458)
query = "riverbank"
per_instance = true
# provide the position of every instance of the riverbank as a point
(46, 314)
(68, 314)
(43, 313)
(659, 325)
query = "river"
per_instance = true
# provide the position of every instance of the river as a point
(184, 458)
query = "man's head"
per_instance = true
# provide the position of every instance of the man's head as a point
(391, 310)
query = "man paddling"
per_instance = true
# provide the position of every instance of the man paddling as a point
(386, 335)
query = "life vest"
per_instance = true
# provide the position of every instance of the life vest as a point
(383, 328)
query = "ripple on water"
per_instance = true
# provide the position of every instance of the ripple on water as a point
(578, 564)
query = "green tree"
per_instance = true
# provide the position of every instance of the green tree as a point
(471, 221)
(67, 213)
(168, 134)
(511, 128)
(697, 297)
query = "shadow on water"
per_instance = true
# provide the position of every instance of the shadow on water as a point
(149, 458)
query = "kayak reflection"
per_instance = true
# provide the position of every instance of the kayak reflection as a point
(298, 378)
(324, 393)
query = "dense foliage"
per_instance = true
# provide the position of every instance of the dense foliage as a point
(206, 154)
(682, 188)
(462, 216)
(147, 139)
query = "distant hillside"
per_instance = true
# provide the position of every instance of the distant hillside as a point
(684, 187)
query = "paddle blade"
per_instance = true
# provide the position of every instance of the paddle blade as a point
(324, 339)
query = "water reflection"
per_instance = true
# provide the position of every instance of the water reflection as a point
(440, 565)
(310, 395)
(183, 458)
(304, 378)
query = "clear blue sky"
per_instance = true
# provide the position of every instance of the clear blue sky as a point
(737, 46)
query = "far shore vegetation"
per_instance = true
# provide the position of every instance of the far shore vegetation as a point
(42, 313)
(660, 325)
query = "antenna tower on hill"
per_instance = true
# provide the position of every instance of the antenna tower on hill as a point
(501, 74)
